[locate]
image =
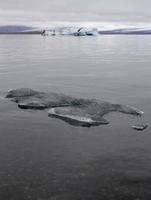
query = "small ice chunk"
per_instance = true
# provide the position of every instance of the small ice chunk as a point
(140, 127)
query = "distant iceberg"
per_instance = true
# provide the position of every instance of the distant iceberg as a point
(86, 32)
(75, 31)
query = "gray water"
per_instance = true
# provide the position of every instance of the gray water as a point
(43, 158)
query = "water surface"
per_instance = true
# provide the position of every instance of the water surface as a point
(46, 159)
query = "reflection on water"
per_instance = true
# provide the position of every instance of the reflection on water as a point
(44, 158)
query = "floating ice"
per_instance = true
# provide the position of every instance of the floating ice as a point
(76, 111)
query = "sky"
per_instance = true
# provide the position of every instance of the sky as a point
(45, 11)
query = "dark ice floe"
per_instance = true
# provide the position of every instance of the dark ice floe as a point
(76, 111)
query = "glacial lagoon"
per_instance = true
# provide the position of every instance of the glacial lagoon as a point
(43, 158)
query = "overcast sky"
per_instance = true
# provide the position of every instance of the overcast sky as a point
(12, 11)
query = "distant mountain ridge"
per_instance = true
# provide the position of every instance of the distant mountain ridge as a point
(18, 29)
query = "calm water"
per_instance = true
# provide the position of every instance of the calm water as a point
(46, 159)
